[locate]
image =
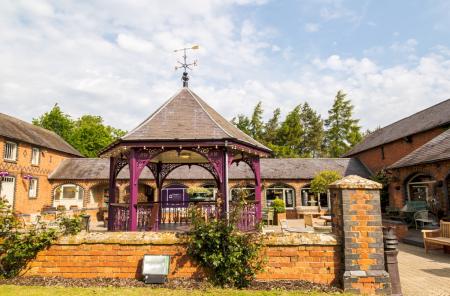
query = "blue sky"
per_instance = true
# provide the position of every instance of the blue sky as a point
(115, 58)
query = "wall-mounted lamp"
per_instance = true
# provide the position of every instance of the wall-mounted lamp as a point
(155, 269)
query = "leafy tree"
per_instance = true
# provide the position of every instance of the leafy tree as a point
(313, 132)
(242, 122)
(343, 132)
(56, 120)
(290, 134)
(90, 135)
(323, 179)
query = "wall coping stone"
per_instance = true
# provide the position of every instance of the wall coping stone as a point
(355, 182)
(177, 238)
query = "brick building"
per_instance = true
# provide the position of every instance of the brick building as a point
(415, 153)
(28, 155)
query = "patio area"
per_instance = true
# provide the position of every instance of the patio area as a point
(423, 274)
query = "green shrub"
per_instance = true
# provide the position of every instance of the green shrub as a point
(21, 243)
(70, 226)
(279, 206)
(229, 257)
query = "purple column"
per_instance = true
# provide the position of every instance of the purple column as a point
(112, 193)
(257, 170)
(134, 179)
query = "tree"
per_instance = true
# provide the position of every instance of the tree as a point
(271, 127)
(342, 131)
(289, 136)
(87, 134)
(242, 122)
(313, 133)
(256, 123)
(90, 135)
(57, 121)
(322, 180)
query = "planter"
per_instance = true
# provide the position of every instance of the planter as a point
(280, 217)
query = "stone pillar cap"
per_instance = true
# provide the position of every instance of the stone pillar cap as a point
(355, 182)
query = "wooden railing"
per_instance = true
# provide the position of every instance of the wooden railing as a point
(155, 215)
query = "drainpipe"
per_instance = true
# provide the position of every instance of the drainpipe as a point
(390, 259)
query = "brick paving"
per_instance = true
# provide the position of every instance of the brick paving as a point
(424, 274)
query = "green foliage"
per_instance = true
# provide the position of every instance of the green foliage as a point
(21, 243)
(279, 206)
(321, 181)
(230, 258)
(56, 120)
(313, 132)
(343, 132)
(88, 134)
(290, 134)
(70, 226)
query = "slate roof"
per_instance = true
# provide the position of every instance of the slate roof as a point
(434, 116)
(271, 168)
(435, 150)
(14, 128)
(186, 116)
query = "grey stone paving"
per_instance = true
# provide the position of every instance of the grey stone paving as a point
(424, 274)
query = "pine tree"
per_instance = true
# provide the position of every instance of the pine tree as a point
(271, 127)
(256, 123)
(342, 131)
(242, 122)
(290, 135)
(313, 132)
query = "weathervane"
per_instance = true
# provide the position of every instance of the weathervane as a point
(185, 65)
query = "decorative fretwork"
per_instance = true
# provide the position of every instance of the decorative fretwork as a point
(210, 168)
(119, 164)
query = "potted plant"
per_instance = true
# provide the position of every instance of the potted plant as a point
(279, 208)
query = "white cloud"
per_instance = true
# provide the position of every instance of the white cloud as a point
(311, 27)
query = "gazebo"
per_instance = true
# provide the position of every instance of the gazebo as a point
(183, 131)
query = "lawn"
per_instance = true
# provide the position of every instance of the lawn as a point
(10, 290)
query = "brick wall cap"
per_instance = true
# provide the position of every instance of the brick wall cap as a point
(355, 182)
(177, 238)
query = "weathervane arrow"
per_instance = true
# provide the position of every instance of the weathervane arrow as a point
(185, 64)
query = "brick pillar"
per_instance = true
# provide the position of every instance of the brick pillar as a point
(356, 217)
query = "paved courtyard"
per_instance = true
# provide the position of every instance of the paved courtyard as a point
(424, 274)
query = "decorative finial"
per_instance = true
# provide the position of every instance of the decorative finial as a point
(185, 65)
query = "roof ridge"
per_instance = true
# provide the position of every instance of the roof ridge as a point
(209, 115)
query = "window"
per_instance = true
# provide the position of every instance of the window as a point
(420, 187)
(35, 156)
(10, 151)
(247, 192)
(32, 190)
(284, 193)
(69, 192)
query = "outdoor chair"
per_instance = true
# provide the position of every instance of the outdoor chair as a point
(309, 220)
(268, 215)
(439, 237)
(423, 217)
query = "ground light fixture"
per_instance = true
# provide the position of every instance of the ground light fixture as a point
(155, 269)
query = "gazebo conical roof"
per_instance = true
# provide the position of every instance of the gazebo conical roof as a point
(186, 117)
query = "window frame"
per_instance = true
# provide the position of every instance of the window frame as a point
(16, 154)
(33, 149)
(284, 190)
(35, 189)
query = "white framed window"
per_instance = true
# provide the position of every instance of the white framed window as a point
(33, 189)
(35, 156)
(68, 195)
(285, 193)
(10, 151)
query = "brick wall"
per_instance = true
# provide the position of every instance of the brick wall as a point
(439, 171)
(300, 256)
(49, 160)
(395, 150)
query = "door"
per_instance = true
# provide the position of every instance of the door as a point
(7, 189)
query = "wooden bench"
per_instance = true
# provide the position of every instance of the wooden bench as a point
(439, 237)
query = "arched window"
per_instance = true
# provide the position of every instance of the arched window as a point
(420, 187)
(68, 196)
(246, 191)
(281, 191)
